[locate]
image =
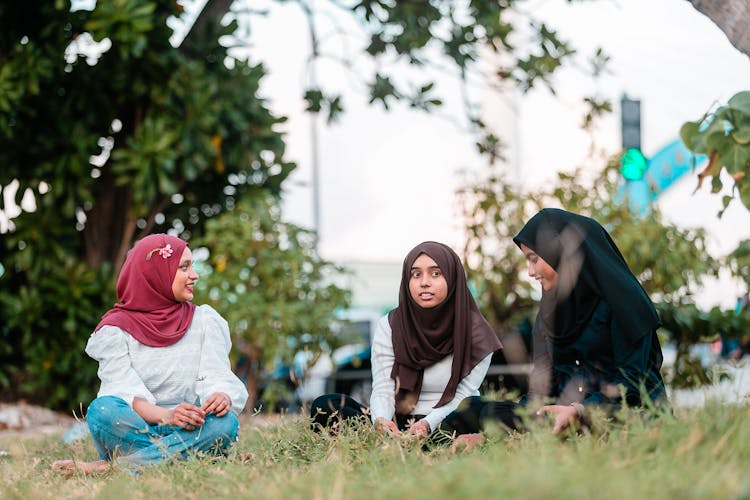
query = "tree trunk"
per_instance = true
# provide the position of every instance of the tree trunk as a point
(732, 16)
(109, 227)
(212, 13)
(247, 368)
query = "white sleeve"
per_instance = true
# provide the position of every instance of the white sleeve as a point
(109, 347)
(382, 400)
(215, 372)
(468, 386)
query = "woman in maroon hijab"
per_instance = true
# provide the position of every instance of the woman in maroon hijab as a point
(428, 354)
(167, 388)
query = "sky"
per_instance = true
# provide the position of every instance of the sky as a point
(388, 179)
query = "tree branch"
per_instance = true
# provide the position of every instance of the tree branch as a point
(731, 16)
(212, 12)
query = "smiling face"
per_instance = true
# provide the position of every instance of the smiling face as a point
(427, 284)
(184, 278)
(539, 269)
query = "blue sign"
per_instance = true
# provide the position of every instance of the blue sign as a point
(664, 168)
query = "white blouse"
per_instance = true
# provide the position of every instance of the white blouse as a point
(188, 371)
(434, 380)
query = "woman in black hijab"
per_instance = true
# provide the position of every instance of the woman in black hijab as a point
(428, 354)
(594, 338)
(595, 341)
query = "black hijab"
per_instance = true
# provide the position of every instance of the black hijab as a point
(590, 268)
(422, 337)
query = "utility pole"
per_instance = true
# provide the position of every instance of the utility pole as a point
(314, 145)
(315, 163)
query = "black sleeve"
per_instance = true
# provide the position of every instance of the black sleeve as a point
(631, 371)
(540, 378)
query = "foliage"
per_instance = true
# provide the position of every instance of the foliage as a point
(688, 326)
(697, 326)
(633, 457)
(724, 136)
(493, 211)
(740, 261)
(670, 262)
(112, 133)
(41, 345)
(267, 280)
(495, 45)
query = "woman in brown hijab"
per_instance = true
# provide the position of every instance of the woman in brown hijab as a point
(428, 354)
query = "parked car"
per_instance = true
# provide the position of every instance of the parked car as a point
(351, 370)
(291, 387)
(348, 370)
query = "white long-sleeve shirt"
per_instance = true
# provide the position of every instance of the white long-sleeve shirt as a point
(434, 380)
(188, 371)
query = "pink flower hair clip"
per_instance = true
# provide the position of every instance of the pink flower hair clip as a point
(165, 252)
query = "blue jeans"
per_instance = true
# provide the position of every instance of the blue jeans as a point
(118, 430)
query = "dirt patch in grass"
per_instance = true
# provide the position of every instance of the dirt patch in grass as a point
(23, 419)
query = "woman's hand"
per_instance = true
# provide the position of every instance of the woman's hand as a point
(466, 442)
(565, 416)
(187, 416)
(388, 426)
(218, 403)
(420, 429)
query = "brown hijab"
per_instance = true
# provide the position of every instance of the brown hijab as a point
(422, 337)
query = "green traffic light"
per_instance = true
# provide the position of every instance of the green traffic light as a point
(634, 164)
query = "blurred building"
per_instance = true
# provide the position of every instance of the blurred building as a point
(374, 286)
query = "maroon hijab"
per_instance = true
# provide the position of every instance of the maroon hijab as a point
(146, 307)
(422, 337)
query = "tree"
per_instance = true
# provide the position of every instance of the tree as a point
(670, 262)
(724, 136)
(485, 45)
(113, 133)
(741, 261)
(267, 280)
(731, 16)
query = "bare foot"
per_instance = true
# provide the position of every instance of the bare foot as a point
(465, 442)
(70, 467)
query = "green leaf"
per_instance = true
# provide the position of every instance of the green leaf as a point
(692, 138)
(741, 136)
(741, 102)
(314, 98)
(744, 189)
(382, 89)
(335, 109)
(716, 184)
(735, 157)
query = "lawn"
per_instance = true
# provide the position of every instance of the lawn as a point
(696, 453)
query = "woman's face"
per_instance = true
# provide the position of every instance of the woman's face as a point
(539, 269)
(184, 279)
(427, 284)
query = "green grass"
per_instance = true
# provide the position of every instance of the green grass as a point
(703, 453)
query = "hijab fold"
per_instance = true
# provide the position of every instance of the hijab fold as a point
(590, 268)
(423, 336)
(146, 306)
